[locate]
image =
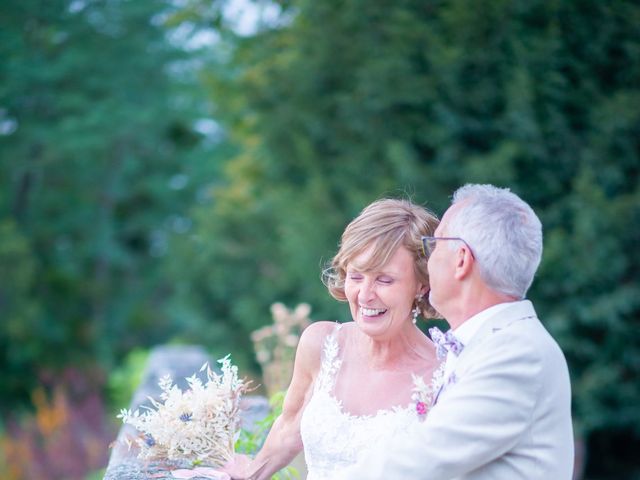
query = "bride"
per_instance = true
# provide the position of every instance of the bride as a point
(355, 383)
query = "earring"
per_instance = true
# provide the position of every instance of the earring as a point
(416, 311)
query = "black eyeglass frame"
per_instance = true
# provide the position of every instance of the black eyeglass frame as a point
(427, 242)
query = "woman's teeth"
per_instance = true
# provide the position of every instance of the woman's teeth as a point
(372, 312)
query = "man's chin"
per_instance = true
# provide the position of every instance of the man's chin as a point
(431, 299)
(434, 304)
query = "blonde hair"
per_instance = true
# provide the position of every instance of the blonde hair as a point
(386, 224)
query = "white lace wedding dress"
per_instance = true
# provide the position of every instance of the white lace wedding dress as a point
(333, 439)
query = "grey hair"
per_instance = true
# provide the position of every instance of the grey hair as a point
(504, 233)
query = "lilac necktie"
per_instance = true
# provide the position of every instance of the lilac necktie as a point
(445, 342)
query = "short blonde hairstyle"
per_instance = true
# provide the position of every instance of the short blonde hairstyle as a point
(386, 224)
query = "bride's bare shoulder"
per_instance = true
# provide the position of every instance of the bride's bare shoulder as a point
(312, 339)
(317, 332)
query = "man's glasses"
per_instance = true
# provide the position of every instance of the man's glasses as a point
(429, 244)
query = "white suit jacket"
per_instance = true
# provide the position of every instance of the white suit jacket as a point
(506, 417)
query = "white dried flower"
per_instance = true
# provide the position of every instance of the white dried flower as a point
(261, 334)
(263, 356)
(281, 329)
(302, 311)
(200, 423)
(279, 312)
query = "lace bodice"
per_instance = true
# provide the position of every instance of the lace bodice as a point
(333, 438)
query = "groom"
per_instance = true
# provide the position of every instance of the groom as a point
(503, 410)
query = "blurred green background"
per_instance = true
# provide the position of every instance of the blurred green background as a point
(169, 169)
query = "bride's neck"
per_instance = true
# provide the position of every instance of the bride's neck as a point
(388, 354)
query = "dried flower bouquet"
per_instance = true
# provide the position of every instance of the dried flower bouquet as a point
(200, 424)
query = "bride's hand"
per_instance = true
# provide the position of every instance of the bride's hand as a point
(238, 467)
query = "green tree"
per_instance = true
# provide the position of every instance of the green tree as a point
(334, 104)
(98, 157)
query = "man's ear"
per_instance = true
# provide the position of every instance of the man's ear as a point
(464, 263)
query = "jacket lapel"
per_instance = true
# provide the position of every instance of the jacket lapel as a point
(514, 313)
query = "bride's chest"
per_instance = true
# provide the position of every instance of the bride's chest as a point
(333, 438)
(330, 415)
(365, 391)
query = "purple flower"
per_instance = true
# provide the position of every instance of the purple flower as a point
(186, 417)
(421, 408)
(149, 440)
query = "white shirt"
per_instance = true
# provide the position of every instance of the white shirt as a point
(465, 332)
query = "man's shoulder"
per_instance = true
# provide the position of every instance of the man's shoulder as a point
(519, 353)
(523, 337)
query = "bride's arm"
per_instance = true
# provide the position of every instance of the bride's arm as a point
(284, 441)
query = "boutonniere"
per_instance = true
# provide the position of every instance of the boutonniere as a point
(423, 394)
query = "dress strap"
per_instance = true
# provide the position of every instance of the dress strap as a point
(330, 363)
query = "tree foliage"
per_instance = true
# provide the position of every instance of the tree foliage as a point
(96, 149)
(335, 104)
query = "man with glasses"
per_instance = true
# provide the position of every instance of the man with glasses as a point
(502, 410)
